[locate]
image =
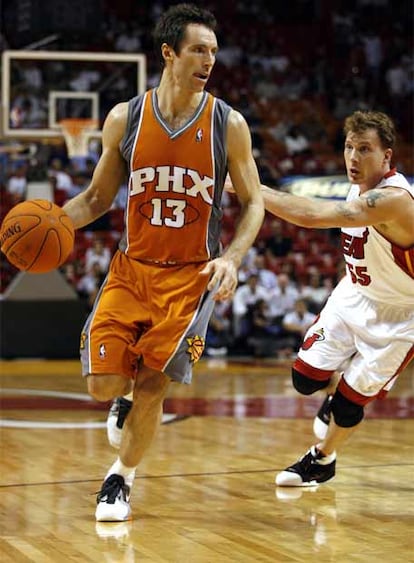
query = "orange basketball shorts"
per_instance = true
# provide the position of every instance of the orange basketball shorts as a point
(157, 314)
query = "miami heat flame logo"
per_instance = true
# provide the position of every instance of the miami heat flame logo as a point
(195, 347)
(314, 337)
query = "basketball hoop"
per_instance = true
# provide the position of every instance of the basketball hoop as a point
(76, 133)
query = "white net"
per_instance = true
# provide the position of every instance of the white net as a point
(76, 132)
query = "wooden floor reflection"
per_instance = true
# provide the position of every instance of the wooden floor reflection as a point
(205, 492)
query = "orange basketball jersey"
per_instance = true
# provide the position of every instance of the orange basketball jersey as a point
(176, 179)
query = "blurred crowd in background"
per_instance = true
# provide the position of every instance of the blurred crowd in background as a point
(295, 72)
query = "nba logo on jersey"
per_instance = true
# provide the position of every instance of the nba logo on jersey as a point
(199, 135)
(102, 351)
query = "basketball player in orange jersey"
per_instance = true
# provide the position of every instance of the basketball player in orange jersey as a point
(366, 329)
(150, 318)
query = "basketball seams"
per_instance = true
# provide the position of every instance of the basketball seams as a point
(40, 250)
(40, 203)
(70, 231)
(42, 245)
(17, 215)
(4, 246)
(37, 236)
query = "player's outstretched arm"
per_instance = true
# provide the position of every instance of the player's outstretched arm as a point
(371, 208)
(108, 174)
(245, 178)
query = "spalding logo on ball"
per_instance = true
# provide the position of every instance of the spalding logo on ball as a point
(37, 236)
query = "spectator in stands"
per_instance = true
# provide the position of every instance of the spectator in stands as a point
(70, 273)
(89, 284)
(121, 197)
(397, 83)
(295, 85)
(31, 75)
(262, 333)
(346, 101)
(245, 296)
(296, 142)
(267, 278)
(279, 59)
(230, 55)
(247, 266)
(296, 323)
(277, 245)
(26, 111)
(313, 128)
(282, 298)
(374, 51)
(129, 40)
(97, 254)
(85, 79)
(62, 180)
(279, 126)
(266, 86)
(79, 182)
(267, 167)
(316, 292)
(219, 333)
(17, 185)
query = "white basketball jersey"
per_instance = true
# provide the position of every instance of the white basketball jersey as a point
(376, 267)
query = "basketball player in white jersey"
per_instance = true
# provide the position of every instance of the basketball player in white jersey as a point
(367, 324)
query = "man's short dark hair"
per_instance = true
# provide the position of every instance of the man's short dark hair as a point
(173, 23)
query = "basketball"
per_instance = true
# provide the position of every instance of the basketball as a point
(37, 236)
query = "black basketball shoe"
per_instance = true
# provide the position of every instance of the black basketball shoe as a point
(313, 468)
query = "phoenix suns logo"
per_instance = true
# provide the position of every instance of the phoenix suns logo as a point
(82, 341)
(314, 337)
(195, 347)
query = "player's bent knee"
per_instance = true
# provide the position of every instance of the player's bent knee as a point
(346, 413)
(152, 385)
(305, 385)
(105, 387)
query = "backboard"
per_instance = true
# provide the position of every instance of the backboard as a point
(40, 88)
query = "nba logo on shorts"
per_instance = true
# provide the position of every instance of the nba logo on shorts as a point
(102, 351)
(199, 135)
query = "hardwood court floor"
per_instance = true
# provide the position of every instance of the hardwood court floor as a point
(205, 492)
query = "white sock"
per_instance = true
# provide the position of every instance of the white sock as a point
(128, 473)
(129, 396)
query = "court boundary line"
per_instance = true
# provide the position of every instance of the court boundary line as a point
(208, 474)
